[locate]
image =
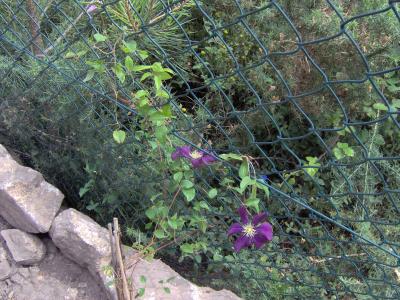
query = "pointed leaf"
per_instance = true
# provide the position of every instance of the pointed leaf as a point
(119, 136)
(189, 194)
(99, 37)
(129, 63)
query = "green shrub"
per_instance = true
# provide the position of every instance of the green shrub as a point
(101, 114)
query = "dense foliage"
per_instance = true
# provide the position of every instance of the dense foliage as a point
(298, 100)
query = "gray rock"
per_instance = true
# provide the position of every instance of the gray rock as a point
(56, 278)
(5, 269)
(25, 248)
(85, 242)
(3, 152)
(161, 282)
(27, 201)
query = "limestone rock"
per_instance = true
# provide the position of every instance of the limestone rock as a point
(5, 268)
(3, 152)
(159, 281)
(25, 248)
(85, 242)
(54, 278)
(27, 201)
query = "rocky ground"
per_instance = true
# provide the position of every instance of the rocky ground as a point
(54, 277)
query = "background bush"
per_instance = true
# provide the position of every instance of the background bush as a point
(318, 118)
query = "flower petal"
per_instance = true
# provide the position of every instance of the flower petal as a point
(197, 163)
(259, 240)
(181, 152)
(91, 8)
(242, 242)
(257, 219)
(208, 159)
(235, 228)
(265, 229)
(244, 216)
(185, 151)
(176, 154)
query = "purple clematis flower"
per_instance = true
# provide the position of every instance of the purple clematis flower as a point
(197, 158)
(251, 232)
(91, 8)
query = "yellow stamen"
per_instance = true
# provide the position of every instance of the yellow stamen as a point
(196, 154)
(249, 230)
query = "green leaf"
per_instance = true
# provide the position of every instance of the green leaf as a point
(81, 53)
(161, 133)
(349, 152)
(70, 54)
(167, 290)
(187, 184)
(244, 169)
(159, 234)
(145, 76)
(204, 205)
(264, 188)
(163, 75)
(168, 70)
(312, 160)
(141, 292)
(227, 181)
(212, 193)
(253, 202)
(86, 188)
(154, 197)
(97, 65)
(187, 248)
(380, 106)
(99, 37)
(157, 67)
(338, 153)
(129, 47)
(197, 258)
(173, 224)
(203, 225)
(396, 103)
(143, 279)
(119, 71)
(151, 213)
(139, 68)
(119, 136)
(157, 116)
(162, 94)
(89, 75)
(92, 206)
(143, 54)
(176, 222)
(312, 165)
(246, 181)
(230, 156)
(166, 111)
(157, 82)
(141, 94)
(178, 176)
(129, 63)
(189, 194)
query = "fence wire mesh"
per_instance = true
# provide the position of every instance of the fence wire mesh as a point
(308, 90)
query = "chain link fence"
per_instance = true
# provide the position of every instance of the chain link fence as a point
(308, 90)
